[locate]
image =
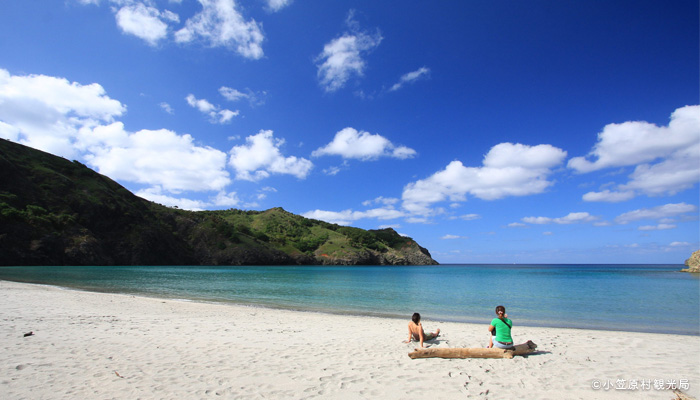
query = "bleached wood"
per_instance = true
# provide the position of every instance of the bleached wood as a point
(471, 352)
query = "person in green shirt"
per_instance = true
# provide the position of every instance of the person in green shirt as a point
(500, 330)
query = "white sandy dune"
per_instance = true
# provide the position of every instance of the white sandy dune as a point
(105, 346)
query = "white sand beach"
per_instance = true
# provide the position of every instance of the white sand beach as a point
(106, 346)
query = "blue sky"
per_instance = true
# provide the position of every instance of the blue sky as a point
(490, 132)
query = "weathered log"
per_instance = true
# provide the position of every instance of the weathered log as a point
(470, 352)
(682, 396)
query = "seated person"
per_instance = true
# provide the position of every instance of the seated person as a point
(501, 326)
(415, 331)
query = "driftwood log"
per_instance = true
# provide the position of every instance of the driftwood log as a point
(446, 352)
(682, 396)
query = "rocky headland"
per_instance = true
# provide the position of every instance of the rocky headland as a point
(693, 263)
(57, 212)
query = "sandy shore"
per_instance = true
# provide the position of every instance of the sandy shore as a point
(93, 345)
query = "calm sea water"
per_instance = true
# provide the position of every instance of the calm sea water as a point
(645, 298)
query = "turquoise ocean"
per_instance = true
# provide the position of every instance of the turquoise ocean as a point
(642, 298)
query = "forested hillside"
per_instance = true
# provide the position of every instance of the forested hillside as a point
(57, 212)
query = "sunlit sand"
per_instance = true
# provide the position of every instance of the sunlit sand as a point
(95, 345)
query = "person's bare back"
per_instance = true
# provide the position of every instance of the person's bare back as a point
(416, 332)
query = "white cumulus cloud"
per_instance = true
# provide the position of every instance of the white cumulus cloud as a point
(410, 78)
(347, 217)
(156, 195)
(659, 227)
(202, 105)
(571, 218)
(453, 237)
(670, 176)
(47, 112)
(608, 196)
(224, 116)
(679, 244)
(78, 121)
(276, 5)
(166, 107)
(215, 113)
(254, 98)
(467, 217)
(220, 24)
(660, 212)
(508, 170)
(350, 143)
(342, 57)
(666, 158)
(144, 22)
(387, 201)
(261, 156)
(155, 157)
(232, 94)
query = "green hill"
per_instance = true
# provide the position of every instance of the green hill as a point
(57, 212)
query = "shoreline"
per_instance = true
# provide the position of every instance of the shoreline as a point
(331, 311)
(106, 345)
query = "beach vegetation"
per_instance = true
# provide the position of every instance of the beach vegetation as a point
(57, 212)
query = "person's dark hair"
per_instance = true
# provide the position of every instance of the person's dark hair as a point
(501, 309)
(415, 318)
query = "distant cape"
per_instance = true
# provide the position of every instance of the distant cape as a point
(57, 212)
(693, 263)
